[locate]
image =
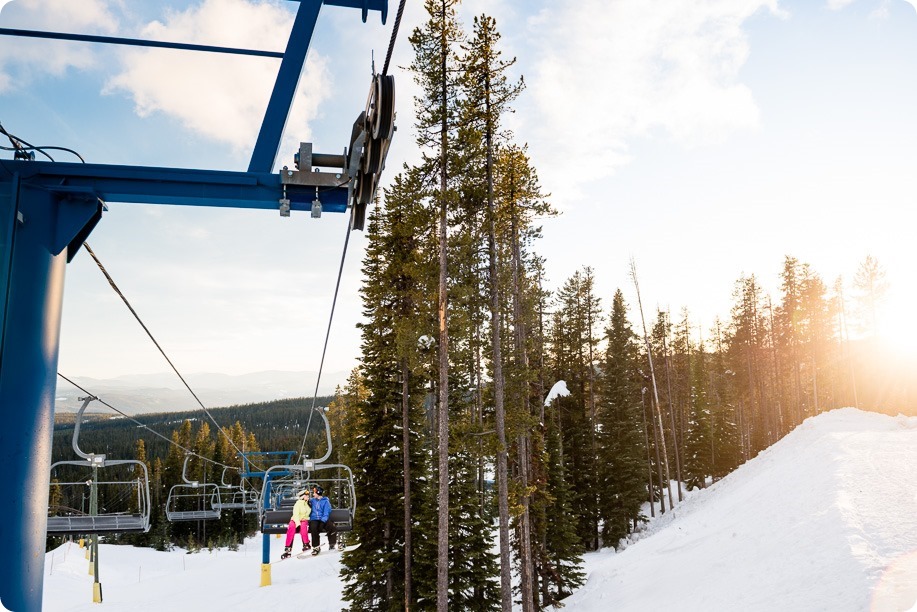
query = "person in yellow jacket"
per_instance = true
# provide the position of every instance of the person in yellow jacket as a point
(299, 522)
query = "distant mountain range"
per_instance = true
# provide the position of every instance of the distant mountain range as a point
(146, 393)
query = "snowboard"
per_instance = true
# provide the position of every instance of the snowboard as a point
(307, 554)
(325, 549)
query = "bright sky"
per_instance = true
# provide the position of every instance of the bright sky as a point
(814, 523)
(706, 139)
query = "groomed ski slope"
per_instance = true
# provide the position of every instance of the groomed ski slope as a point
(826, 519)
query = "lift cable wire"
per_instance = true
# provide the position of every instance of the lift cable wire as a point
(42, 150)
(318, 378)
(20, 145)
(391, 44)
(146, 427)
(169, 361)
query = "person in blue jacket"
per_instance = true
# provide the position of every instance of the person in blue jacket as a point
(319, 520)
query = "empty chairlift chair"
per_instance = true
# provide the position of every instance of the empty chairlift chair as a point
(236, 497)
(193, 500)
(117, 491)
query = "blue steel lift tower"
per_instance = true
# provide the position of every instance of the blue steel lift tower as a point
(48, 209)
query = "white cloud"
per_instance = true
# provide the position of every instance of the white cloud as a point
(217, 95)
(612, 71)
(23, 58)
(836, 5)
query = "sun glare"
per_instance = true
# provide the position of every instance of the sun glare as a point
(897, 326)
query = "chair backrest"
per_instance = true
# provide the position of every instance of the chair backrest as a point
(276, 521)
(341, 519)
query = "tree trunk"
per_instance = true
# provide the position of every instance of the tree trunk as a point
(529, 593)
(649, 460)
(442, 569)
(649, 354)
(506, 593)
(406, 454)
(675, 438)
(592, 416)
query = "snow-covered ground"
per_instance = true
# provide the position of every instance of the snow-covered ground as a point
(824, 520)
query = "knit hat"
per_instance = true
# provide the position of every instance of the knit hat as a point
(303, 492)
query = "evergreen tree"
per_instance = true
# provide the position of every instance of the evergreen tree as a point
(621, 484)
(870, 289)
(818, 334)
(561, 573)
(575, 344)
(487, 96)
(397, 270)
(788, 320)
(434, 72)
(726, 448)
(700, 444)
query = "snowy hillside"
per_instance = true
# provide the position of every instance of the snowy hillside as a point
(824, 520)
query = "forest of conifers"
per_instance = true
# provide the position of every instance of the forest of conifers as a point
(444, 422)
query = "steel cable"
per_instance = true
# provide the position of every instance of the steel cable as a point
(391, 44)
(318, 378)
(166, 357)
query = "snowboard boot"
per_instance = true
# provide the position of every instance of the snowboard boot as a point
(286, 552)
(306, 547)
(316, 550)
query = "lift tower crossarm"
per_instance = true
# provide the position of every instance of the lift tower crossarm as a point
(180, 186)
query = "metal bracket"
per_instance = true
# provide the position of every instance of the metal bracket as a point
(284, 201)
(308, 176)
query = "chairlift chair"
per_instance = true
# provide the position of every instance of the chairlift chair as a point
(280, 494)
(236, 497)
(193, 500)
(282, 482)
(118, 490)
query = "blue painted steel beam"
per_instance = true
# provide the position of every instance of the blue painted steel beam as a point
(364, 5)
(278, 108)
(176, 186)
(284, 458)
(135, 42)
(294, 58)
(37, 228)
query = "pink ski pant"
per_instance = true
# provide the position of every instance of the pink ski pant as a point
(303, 533)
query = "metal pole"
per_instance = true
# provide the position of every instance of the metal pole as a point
(34, 236)
(266, 538)
(94, 511)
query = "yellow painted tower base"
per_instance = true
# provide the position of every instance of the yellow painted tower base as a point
(97, 592)
(265, 574)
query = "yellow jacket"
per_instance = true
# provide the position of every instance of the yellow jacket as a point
(301, 511)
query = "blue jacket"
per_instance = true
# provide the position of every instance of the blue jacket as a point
(321, 509)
